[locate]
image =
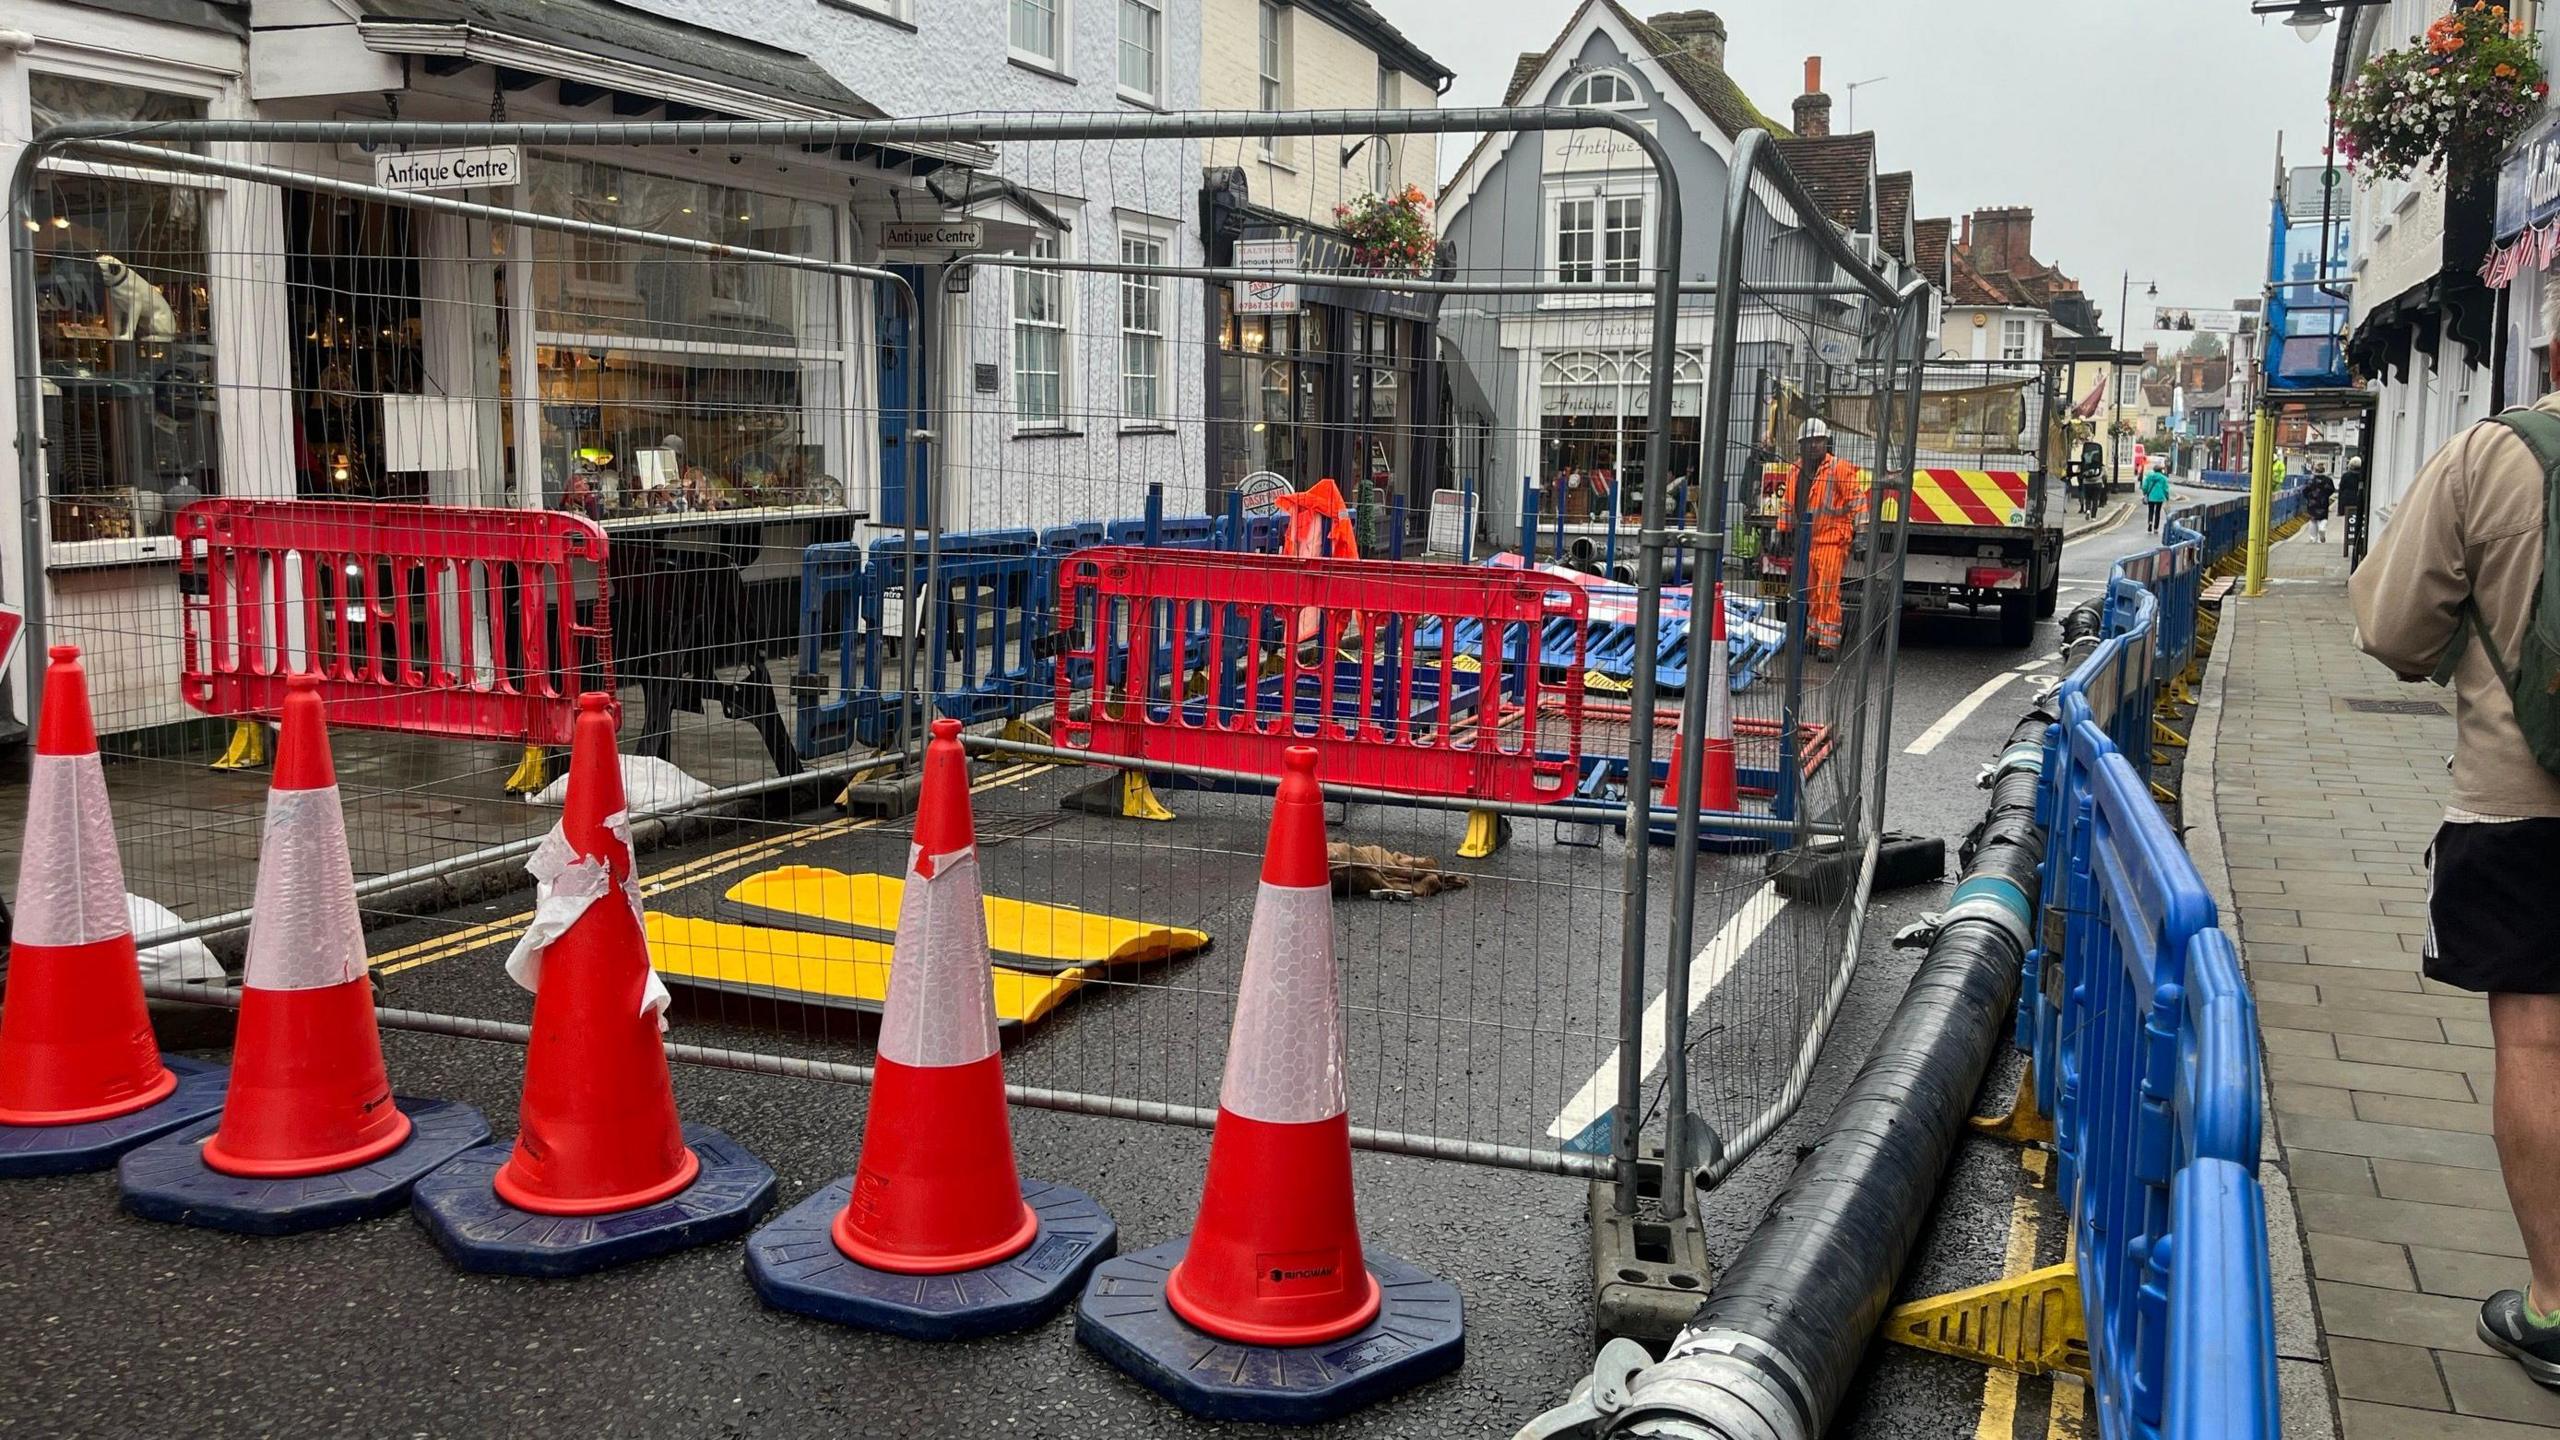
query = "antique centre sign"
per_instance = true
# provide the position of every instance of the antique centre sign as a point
(481, 168)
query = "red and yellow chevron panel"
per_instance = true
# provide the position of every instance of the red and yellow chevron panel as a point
(1969, 497)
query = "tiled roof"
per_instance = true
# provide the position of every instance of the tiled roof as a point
(1931, 238)
(1709, 88)
(1893, 211)
(1835, 170)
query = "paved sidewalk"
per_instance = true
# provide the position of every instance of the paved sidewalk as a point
(2379, 1080)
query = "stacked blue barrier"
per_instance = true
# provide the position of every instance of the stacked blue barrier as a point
(996, 594)
(2144, 1037)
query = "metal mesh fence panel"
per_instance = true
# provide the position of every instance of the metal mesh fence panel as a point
(670, 417)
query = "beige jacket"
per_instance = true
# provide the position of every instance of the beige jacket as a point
(2470, 526)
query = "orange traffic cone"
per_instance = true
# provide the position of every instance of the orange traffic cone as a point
(597, 1133)
(1719, 788)
(310, 1124)
(1275, 1259)
(75, 1040)
(935, 1191)
(308, 1091)
(80, 1077)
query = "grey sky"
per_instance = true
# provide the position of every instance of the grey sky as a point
(2142, 131)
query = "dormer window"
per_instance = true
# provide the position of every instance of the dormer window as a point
(1605, 89)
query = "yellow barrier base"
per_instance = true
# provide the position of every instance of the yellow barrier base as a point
(831, 970)
(2161, 734)
(2029, 1323)
(1138, 798)
(1486, 833)
(1047, 937)
(248, 748)
(2024, 1124)
(531, 773)
(1022, 732)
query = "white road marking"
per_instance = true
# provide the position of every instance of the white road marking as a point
(1733, 941)
(1936, 735)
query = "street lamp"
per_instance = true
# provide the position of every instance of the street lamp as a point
(2124, 344)
(2307, 18)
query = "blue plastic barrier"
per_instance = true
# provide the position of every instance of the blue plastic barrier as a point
(2144, 1036)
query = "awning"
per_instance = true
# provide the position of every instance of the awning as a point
(1012, 215)
(649, 65)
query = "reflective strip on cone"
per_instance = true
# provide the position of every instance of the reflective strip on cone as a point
(1284, 1060)
(941, 1006)
(70, 880)
(306, 933)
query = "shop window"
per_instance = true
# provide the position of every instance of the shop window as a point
(1141, 49)
(1040, 342)
(673, 380)
(351, 277)
(1273, 383)
(1035, 34)
(1141, 331)
(124, 331)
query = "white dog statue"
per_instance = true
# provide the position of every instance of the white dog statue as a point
(136, 310)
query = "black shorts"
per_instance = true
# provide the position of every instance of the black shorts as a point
(2491, 925)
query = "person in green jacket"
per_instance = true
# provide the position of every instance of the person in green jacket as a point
(2155, 492)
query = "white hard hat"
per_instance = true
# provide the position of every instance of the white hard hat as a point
(1813, 429)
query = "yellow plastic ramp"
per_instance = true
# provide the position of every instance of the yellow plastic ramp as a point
(803, 967)
(1023, 935)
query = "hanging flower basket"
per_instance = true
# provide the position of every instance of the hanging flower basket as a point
(2452, 98)
(1390, 234)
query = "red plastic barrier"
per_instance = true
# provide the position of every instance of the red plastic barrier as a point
(1212, 628)
(436, 620)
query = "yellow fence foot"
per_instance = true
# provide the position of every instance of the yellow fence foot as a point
(248, 748)
(2163, 793)
(532, 772)
(2162, 735)
(1486, 833)
(2029, 1323)
(1022, 732)
(2024, 1123)
(1138, 798)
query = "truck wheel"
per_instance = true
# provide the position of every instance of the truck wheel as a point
(2049, 599)
(2017, 621)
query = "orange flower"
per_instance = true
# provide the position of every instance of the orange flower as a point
(2505, 72)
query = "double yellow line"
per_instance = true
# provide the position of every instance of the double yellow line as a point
(674, 877)
(2066, 1395)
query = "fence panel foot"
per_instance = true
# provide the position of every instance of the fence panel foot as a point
(2029, 1323)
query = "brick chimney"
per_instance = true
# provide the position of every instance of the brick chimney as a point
(2000, 237)
(1813, 108)
(1699, 34)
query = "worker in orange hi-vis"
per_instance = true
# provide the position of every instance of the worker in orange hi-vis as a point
(1833, 504)
(1319, 529)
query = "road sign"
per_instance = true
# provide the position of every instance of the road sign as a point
(1261, 297)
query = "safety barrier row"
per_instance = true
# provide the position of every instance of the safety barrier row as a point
(2143, 1033)
(1327, 653)
(995, 593)
(456, 622)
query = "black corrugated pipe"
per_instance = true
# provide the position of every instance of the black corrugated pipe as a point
(1776, 1341)
(2083, 622)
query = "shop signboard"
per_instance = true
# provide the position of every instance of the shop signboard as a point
(482, 167)
(1266, 297)
(951, 235)
(2529, 181)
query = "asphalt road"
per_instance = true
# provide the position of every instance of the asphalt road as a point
(1492, 1021)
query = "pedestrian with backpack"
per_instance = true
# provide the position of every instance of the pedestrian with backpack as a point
(2458, 588)
(2316, 496)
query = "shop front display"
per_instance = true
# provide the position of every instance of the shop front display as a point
(1593, 430)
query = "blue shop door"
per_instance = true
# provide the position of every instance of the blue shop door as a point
(905, 371)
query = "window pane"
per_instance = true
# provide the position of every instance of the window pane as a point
(54, 99)
(1138, 25)
(1035, 28)
(1625, 249)
(125, 347)
(601, 287)
(1573, 242)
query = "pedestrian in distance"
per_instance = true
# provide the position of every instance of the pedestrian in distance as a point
(2316, 495)
(2155, 495)
(2453, 591)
